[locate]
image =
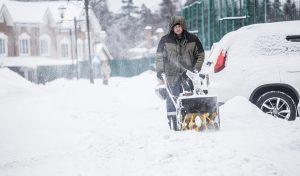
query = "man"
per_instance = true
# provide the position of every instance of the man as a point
(177, 52)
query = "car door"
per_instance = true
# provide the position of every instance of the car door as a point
(290, 71)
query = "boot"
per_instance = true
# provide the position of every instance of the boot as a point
(172, 122)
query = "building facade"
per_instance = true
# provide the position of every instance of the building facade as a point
(46, 29)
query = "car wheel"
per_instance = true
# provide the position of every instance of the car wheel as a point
(277, 104)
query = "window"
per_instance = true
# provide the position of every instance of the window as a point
(276, 44)
(79, 49)
(24, 45)
(64, 50)
(45, 45)
(3, 44)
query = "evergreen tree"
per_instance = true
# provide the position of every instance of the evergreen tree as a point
(124, 31)
(167, 10)
(128, 8)
(262, 11)
(294, 11)
(287, 10)
(102, 12)
(146, 15)
(278, 15)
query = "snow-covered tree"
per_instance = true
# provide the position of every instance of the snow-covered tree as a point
(128, 8)
(167, 10)
(102, 12)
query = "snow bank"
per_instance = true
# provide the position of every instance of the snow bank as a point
(75, 128)
(11, 83)
(32, 61)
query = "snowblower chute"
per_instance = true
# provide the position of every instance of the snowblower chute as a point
(195, 110)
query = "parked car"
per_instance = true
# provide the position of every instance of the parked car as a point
(260, 62)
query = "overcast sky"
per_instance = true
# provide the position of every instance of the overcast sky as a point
(115, 5)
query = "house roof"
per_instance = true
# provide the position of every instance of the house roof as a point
(25, 12)
(35, 12)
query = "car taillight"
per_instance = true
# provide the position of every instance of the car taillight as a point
(220, 64)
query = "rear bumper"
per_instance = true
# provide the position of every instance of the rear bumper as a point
(224, 91)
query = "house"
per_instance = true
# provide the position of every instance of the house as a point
(45, 30)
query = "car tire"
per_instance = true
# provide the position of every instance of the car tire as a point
(277, 104)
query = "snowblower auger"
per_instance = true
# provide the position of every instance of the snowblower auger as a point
(195, 110)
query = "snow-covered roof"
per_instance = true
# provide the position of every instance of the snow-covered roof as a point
(148, 27)
(32, 62)
(35, 12)
(159, 30)
(25, 12)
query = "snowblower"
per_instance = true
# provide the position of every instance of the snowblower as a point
(196, 110)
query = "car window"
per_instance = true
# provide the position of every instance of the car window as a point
(276, 45)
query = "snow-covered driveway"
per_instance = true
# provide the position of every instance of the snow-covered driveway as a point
(72, 128)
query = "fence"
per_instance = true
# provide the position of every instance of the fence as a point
(127, 67)
(119, 67)
(210, 20)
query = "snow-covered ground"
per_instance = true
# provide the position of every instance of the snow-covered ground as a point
(73, 128)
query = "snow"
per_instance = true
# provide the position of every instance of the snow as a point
(36, 16)
(159, 30)
(12, 84)
(102, 52)
(31, 16)
(256, 37)
(32, 61)
(34, 12)
(70, 127)
(148, 27)
(257, 55)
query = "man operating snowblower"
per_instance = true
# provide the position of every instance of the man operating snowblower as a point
(178, 52)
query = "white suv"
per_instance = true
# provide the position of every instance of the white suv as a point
(260, 62)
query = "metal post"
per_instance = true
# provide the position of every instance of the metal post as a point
(202, 23)
(71, 50)
(208, 24)
(265, 11)
(76, 49)
(240, 10)
(86, 4)
(221, 16)
(226, 15)
(254, 12)
(245, 10)
(232, 14)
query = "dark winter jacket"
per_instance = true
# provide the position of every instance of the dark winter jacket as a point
(175, 55)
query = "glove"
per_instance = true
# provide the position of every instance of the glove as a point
(161, 82)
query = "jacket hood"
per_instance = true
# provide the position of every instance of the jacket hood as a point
(176, 20)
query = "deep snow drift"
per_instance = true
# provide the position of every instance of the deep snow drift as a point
(73, 128)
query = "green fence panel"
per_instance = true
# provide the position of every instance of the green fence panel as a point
(130, 67)
(210, 20)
